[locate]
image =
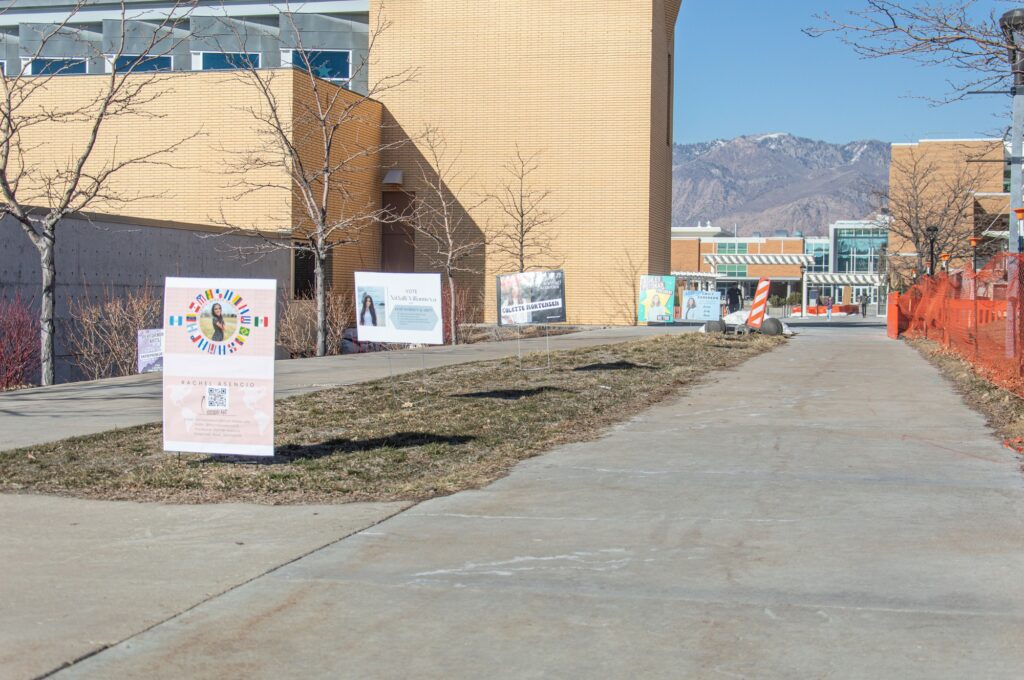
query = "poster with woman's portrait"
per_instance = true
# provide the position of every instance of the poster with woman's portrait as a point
(402, 308)
(657, 299)
(531, 297)
(371, 305)
(219, 365)
(700, 305)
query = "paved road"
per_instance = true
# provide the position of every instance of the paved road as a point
(46, 414)
(829, 510)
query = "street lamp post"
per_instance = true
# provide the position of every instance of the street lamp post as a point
(932, 232)
(803, 290)
(975, 240)
(883, 278)
(1012, 24)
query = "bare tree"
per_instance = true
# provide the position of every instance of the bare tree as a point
(440, 218)
(328, 143)
(962, 34)
(622, 288)
(926, 193)
(524, 239)
(39, 188)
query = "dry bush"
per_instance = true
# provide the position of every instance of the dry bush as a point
(104, 333)
(467, 311)
(296, 327)
(19, 344)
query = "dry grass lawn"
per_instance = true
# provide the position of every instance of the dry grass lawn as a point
(1003, 409)
(433, 433)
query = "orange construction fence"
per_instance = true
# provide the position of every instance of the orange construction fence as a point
(975, 314)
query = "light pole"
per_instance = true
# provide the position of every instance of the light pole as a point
(975, 240)
(883, 277)
(932, 232)
(803, 291)
(1012, 24)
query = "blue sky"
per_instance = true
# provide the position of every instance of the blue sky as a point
(810, 87)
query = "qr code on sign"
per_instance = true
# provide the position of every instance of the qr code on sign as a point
(217, 398)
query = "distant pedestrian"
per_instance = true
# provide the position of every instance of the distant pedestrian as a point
(828, 307)
(863, 301)
(734, 296)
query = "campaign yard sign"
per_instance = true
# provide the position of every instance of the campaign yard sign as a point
(531, 297)
(402, 308)
(219, 365)
(150, 352)
(657, 298)
(700, 305)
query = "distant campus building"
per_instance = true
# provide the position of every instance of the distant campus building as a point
(959, 185)
(843, 265)
(586, 86)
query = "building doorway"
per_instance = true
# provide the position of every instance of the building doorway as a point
(397, 239)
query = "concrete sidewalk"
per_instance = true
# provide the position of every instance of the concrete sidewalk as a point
(44, 414)
(831, 509)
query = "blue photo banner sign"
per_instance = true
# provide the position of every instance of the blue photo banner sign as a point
(699, 305)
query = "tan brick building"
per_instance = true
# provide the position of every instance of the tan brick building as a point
(587, 86)
(536, 74)
(957, 185)
(707, 250)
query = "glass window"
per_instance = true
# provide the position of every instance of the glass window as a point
(304, 278)
(326, 64)
(732, 270)
(226, 61)
(732, 249)
(141, 62)
(52, 67)
(820, 251)
(859, 250)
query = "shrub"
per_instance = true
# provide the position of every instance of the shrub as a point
(467, 310)
(296, 325)
(104, 332)
(795, 299)
(19, 344)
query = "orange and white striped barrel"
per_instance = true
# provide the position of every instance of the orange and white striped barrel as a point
(760, 306)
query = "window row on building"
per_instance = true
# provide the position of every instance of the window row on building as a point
(332, 47)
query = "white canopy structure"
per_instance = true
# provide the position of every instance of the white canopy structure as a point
(840, 279)
(706, 280)
(843, 279)
(760, 258)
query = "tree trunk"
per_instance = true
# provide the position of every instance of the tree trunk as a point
(321, 304)
(46, 306)
(451, 309)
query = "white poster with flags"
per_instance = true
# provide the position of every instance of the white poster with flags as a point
(219, 365)
(403, 308)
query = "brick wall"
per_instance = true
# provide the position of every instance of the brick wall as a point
(926, 170)
(570, 82)
(205, 126)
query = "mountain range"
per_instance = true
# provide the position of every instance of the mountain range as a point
(769, 182)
